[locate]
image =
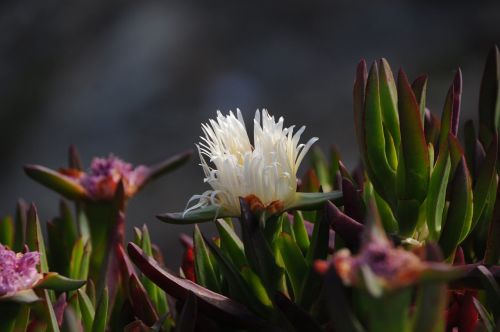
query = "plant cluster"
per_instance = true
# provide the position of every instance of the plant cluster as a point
(407, 241)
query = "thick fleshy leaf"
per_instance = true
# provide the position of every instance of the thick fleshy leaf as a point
(231, 243)
(186, 322)
(24, 296)
(320, 165)
(7, 232)
(34, 237)
(257, 249)
(59, 283)
(359, 103)
(459, 217)
(451, 110)
(431, 300)
(419, 87)
(318, 250)
(492, 253)
(101, 313)
(295, 264)
(87, 310)
(203, 264)
(379, 169)
(215, 305)
(492, 290)
(489, 95)
(347, 228)
(470, 146)
(353, 202)
(437, 193)
(486, 176)
(312, 201)
(167, 165)
(300, 231)
(388, 101)
(56, 181)
(486, 318)
(297, 317)
(432, 125)
(204, 214)
(20, 226)
(414, 147)
(141, 303)
(50, 313)
(470, 277)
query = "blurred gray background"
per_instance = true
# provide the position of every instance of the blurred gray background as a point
(137, 78)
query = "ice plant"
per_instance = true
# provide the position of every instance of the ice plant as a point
(17, 271)
(263, 173)
(104, 175)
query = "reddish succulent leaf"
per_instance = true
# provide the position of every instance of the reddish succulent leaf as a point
(140, 301)
(484, 181)
(489, 95)
(213, 304)
(347, 228)
(353, 202)
(359, 102)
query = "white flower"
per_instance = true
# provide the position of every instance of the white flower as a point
(267, 170)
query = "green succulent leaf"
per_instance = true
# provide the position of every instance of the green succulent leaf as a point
(459, 217)
(87, 310)
(258, 250)
(300, 231)
(7, 232)
(203, 214)
(203, 264)
(389, 102)
(231, 243)
(59, 283)
(419, 87)
(24, 296)
(56, 181)
(101, 313)
(35, 241)
(312, 201)
(413, 145)
(295, 264)
(379, 169)
(437, 193)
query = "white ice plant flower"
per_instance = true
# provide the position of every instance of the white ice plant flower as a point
(234, 168)
(262, 172)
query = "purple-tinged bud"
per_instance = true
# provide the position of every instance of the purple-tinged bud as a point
(17, 271)
(105, 174)
(393, 267)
